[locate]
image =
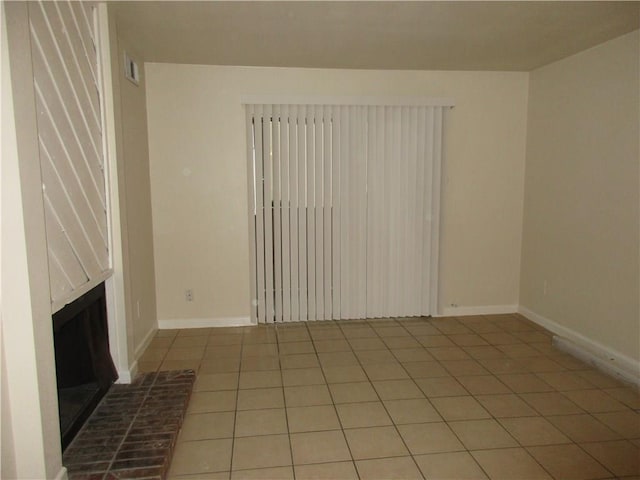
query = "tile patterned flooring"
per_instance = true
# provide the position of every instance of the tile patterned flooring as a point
(442, 398)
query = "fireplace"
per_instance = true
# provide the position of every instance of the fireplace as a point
(84, 368)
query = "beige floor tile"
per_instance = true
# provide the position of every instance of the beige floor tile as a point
(620, 457)
(225, 365)
(204, 402)
(366, 344)
(190, 342)
(201, 476)
(385, 371)
(327, 471)
(417, 410)
(563, 381)
(312, 419)
(344, 374)
(161, 342)
(429, 438)
(626, 423)
(402, 343)
(208, 382)
(500, 366)
(599, 379)
(530, 431)
(448, 353)
(482, 384)
(353, 392)
(340, 345)
(293, 335)
(509, 464)
(224, 340)
(302, 376)
(358, 331)
(459, 408)
(441, 387)
(327, 334)
(500, 338)
(519, 350)
(464, 367)
(369, 414)
(438, 340)
(217, 351)
(423, 330)
(307, 395)
(595, 401)
(261, 452)
(507, 405)
(299, 360)
(261, 379)
(404, 355)
(250, 423)
(391, 330)
(204, 426)
(149, 366)
(260, 350)
(260, 364)
(255, 399)
(319, 447)
(450, 466)
(583, 428)
(397, 389)
(154, 354)
(568, 462)
(194, 332)
(201, 457)
(273, 473)
(375, 442)
(525, 383)
(482, 434)
(180, 365)
(292, 348)
(629, 396)
(484, 352)
(338, 359)
(400, 468)
(468, 340)
(551, 403)
(425, 369)
(375, 357)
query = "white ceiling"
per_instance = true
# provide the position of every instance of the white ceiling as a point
(476, 35)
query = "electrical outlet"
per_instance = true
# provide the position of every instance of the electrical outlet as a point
(188, 295)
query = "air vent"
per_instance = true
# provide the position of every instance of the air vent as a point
(131, 69)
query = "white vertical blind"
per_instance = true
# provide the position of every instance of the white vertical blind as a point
(344, 220)
(66, 81)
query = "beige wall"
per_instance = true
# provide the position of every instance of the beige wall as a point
(581, 213)
(135, 197)
(199, 186)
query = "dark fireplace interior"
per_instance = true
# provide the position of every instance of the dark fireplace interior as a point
(84, 368)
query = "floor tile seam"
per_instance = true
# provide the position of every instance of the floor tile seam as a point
(286, 412)
(397, 430)
(333, 403)
(235, 410)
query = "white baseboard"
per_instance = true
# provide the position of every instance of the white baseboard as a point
(127, 376)
(62, 474)
(600, 356)
(142, 346)
(479, 310)
(169, 323)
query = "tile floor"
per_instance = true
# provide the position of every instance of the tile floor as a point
(444, 398)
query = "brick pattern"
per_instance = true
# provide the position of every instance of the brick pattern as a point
(133, 431)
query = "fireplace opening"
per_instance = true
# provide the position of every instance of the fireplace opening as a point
(84, 367)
